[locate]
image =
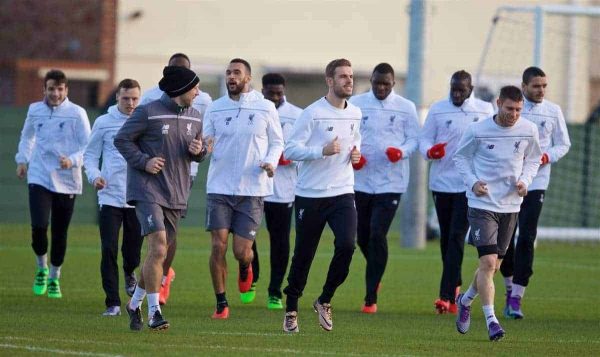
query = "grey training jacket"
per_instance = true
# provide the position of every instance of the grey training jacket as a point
(160, 128)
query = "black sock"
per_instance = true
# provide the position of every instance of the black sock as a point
(244, 271)
(221, 301)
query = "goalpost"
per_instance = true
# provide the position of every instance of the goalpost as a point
(563, 40)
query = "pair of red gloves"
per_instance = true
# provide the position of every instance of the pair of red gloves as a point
(393, 154)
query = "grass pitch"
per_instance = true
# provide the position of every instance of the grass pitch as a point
(562, 313)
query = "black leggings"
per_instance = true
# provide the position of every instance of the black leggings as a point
(41, 203)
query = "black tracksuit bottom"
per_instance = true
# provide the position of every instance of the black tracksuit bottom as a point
(41, 202)
(375, 215)
(451, 209)
(311, 216)
(111, 219)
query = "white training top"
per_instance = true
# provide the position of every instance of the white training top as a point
(48, 133)
(554, 137)
(246, 134)
(200, 103)
(391, 122)
(114, 166)
(500, 157)
(319, 124)
(284, 181)
(446, 123)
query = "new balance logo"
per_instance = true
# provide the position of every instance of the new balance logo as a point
(490, 147)
(165, 129)
(448, 123)
(329, 128)
(365, 118)
(189, 129)
(475, 119)
(300, 213)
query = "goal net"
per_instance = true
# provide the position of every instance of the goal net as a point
(565, 42)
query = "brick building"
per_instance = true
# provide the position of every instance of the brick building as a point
(78, 37)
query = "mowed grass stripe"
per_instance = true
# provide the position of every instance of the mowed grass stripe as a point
(561, 317)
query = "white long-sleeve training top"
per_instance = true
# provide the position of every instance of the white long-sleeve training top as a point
(284, 181)
(200, 103)
(319, 124)
(50, 132)
(554, 137)
(500, 157)
(246, 134)
(446, 123)
(391, 122)
(114, 166)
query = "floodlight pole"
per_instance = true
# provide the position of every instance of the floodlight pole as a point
(414, 208)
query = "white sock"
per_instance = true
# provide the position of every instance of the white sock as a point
(508, 283)
(518, 290)
(490, 315)
(138, 298)
(42, 261)
(54, 272)
(153, 304)
(469, 296)
(164, 279)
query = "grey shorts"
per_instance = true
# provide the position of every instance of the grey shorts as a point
(155, 218)
(241, 215)
(490, 231)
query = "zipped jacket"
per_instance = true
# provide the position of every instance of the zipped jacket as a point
(50, 132)
(391, 122)
(200, 103)
(160, 129)
(114, 166)
(554, 137)
(446, 123)
(246, 134)
(284, 181)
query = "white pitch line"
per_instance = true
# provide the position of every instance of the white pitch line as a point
(196, 347)
(54, 350)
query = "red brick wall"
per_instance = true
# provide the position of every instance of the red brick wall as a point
(58, 32)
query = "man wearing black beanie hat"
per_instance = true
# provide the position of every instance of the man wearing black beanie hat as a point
(159, 141)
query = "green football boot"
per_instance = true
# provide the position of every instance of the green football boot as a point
(249, 295)
(274, 303)
(40, 281)
(54, 289)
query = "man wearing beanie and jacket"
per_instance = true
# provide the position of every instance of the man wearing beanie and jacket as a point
(244, 131)
(159, 141)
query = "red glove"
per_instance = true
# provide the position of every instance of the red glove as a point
(545, 159)
(359, 165)
(393, 154)
(437, 151)
(283, 161)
